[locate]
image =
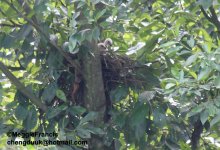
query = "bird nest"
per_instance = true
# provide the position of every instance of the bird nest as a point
(117, 70)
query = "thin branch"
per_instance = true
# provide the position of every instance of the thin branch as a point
(22, 88)
(15, 24)
(15, 68)
(8, 25)
(212, 18)
(205, 14)
(62, 3)
(212, 10)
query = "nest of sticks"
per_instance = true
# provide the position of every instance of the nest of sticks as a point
(117, 70)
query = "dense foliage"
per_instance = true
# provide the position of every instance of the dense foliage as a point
(174, 45)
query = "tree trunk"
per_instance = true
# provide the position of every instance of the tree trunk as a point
(93, 90)
(94, 93)
(198, 128)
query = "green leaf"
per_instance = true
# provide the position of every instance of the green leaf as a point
(139, 128)
(83, 133)
(65, 46)
(96, 33)
(204, 116)
(159, 117)
(82, 35)
(120, 119)
(205, 3)
(21, 112)
(212, 110)
(175, 71)
(89, 117)
(169, 85)
(173, 50)
(217, 101)
(49, 92)
(204, 74)
(31, 120)
(11, 104)
(100, 14)
(191, 59)
(168, 44)
(24, 31)
(72, 44)
(63, 122)
(138, 114)
(196, 110)
(217, 82)
(86, 34)
(54, 111)
(1, 93)
(61, 95)
(95, 1)
(181, 78)
(21, 98)
(95, 130)
(215, 120)
(119, 93)
(193, 74)
(135, 48)
(191, 42)
(76, 110)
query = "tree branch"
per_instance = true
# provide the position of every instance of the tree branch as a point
(212, 18)
(15, 24)
(37, 27)
(8, 25)
(205, 14)
(15, 68)
(22, 88)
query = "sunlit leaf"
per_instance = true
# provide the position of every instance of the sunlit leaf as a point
(135, 48)
(168, 44)
(191, 60)
(191, 42)
(204, 73)
(100, 14)
(61, 95)
(170, 85)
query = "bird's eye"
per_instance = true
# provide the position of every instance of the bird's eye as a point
(109, 42)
